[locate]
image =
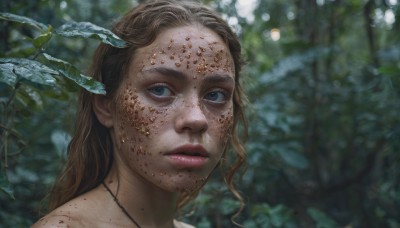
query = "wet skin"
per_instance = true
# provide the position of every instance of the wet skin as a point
(173, 112)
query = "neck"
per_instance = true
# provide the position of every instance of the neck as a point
(147, 204)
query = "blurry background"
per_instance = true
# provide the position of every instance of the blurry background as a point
(323, 80)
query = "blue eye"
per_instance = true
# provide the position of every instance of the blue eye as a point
(160, 91)
(216, 96)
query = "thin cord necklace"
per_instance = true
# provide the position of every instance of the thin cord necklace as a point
(120, 206)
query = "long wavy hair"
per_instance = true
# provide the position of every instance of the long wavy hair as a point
(90, 152)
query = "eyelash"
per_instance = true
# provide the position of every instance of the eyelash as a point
(154, 91)
(225, 95)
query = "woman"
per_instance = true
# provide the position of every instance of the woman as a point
(171, 111)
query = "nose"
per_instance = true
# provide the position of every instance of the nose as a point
(191, 119)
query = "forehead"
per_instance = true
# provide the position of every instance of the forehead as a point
(191, 46)
(186, 34)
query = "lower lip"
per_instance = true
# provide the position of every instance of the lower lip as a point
(187, 161)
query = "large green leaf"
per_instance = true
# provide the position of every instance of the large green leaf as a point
(5, 186)
(23, 20)
(89, 30)
(74, 74)
(7, 75)
(31, 70)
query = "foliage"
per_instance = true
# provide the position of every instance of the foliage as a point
(324, 107)
(32, 79)
(326, 111)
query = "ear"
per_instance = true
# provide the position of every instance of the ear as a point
(103, 110)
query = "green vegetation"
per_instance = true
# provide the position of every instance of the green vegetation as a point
(323, 80)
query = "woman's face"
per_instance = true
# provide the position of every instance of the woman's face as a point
(173, 112)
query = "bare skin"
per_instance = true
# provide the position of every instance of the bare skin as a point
(169, 123)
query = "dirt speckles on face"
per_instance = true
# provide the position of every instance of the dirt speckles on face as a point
(211, 47)
(149, 118)
(202, 66)
(131, 112)
(170, 44)
(225, 125)
(209, 56)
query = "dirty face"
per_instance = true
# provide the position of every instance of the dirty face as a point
(173, 112)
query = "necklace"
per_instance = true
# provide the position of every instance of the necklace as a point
(120, 206)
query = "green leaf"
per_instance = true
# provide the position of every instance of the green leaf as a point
(60, 140)
(22, 51)
(23, 20)
(7, 75)
(389, 70)
(58, 92)
(31, 70)
(5, 186)
(294, 159)
(89, 30)
(33, 96)
(71, 72)
(321, 219)
(229, 206)
(280, 215)
(292, 63)
(41, 40)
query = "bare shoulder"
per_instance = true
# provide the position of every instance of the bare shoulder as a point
(179, 224)
(72, 214)
(57, 220)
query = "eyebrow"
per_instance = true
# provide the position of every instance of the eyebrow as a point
(218, 78)
(214, 78)
(167, 72)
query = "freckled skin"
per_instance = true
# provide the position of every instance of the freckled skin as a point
(145, 127)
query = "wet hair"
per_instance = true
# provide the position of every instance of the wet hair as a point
(90, 152)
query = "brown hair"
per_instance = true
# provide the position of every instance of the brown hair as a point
(90, 153)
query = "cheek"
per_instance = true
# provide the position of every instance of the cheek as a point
(139, 116)
(138, 124)
(222, 126)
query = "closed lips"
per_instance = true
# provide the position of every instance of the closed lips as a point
(190, 150)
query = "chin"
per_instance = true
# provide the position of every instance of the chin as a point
(183, 182)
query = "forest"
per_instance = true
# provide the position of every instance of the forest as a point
(323, 84)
